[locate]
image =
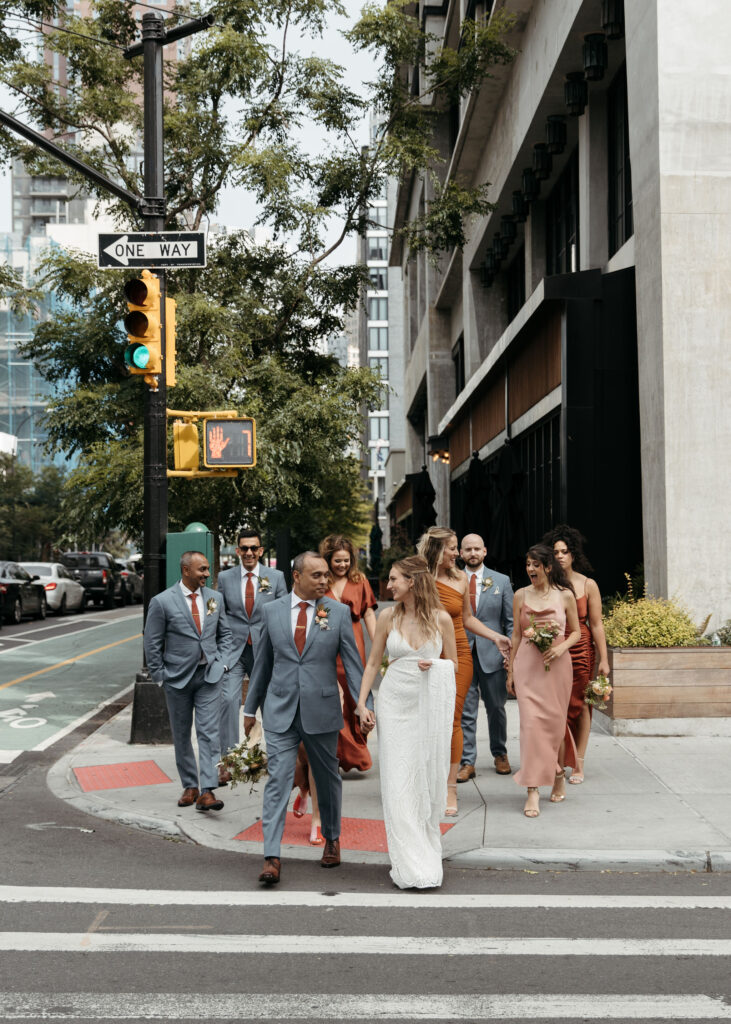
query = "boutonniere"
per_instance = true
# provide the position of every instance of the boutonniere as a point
(486, 583)
(264, 585)
(321, 617)
(211, 607)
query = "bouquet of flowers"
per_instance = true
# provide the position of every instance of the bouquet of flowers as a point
(542, 636)
(246, 764)
(597, 692)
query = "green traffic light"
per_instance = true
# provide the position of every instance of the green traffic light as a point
(137, 355)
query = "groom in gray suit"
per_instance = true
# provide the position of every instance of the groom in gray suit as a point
(294, 681)
(245, 590)
(491, 597)
(187, 643)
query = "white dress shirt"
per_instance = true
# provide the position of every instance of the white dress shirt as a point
(254, 580)
(475, 572)
(296, 610)
(199, 606)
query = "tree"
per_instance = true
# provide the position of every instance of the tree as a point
(240, 110)
(29, 509)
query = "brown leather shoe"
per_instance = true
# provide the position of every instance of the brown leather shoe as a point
(208, 802)
(224, 776)
(272, 871)
(502, 765)
(189, 797)
(466, 772)
(331, 856)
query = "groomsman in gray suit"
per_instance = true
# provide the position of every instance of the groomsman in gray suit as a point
(245, 591)
(491, 597)
(187, 643)
(295, 682)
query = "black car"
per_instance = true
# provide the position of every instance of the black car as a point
(98, 573)
(20, 593)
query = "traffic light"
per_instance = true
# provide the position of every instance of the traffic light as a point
(170, 307)
(143, 354)
(186, 446)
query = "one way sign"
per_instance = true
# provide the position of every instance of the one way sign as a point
(153, 249)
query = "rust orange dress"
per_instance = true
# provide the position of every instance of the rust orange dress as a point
(451, 601)
(582, 660)
(352, 744)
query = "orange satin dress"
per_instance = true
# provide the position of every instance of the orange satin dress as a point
(582, 660)
(452, 602)
(352, 744)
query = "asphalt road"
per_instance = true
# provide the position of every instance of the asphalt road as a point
(101, 922)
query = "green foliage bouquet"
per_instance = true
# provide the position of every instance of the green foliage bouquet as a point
(245, 763)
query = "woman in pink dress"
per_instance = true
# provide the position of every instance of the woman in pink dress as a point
(542, 681)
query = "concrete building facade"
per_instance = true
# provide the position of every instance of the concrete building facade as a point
(569, 363)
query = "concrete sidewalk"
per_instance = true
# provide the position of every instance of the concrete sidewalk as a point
(648, 804)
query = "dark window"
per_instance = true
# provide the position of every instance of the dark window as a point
(378, 278)
(378, 247)
(620, 176)
(378, 309)
(516, 284)
(540, 459)
(378, 339)
(458, 361)
(562, 221)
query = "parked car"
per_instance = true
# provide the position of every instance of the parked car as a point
(98, 573)
(21, 593)
(133, 585)
(63, 594)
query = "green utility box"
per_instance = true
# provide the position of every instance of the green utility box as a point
(195, 537)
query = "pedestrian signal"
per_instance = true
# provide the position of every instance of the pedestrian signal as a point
(229, 443)
(143, 354)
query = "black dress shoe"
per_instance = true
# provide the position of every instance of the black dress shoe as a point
(272, 871)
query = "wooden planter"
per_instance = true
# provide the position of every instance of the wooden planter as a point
(666, 691)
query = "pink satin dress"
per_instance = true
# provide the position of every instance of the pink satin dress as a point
(543, 702)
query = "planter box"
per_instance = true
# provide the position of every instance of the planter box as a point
(669, 691)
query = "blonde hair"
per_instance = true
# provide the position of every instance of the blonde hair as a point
(431, 548)
(426, 596)
(337, 542)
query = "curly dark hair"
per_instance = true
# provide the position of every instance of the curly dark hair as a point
(543, 553)
(574, 541)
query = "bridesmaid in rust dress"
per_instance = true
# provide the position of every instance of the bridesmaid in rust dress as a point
(568, 550)
(440, 549)
(546, 744)
(350, 587)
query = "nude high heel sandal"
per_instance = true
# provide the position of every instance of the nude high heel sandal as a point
(555, 796)
(577, 775)
(451, 810)
(531, 812)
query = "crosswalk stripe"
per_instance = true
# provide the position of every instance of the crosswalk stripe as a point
(330, 1006)
(397, 900)
(360, 945)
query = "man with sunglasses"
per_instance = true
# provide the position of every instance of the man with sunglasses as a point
(245, 589)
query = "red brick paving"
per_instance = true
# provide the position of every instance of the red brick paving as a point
(356, 833)
(120, 776)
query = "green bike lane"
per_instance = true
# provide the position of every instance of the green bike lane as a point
(49, 686)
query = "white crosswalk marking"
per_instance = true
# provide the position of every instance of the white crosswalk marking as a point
(395, 900)
(355, 945)
(251, 1006)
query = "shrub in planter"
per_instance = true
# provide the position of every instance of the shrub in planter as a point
(650, 622)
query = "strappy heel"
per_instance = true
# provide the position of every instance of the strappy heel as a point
(531, 812)
(451, 810)
(577, 776)
(555, 797)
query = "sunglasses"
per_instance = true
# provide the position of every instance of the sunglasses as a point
(249, 547)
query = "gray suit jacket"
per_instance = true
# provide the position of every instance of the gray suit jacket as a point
(173, 647)
(243, 627)
(281, 679)
(495, 609)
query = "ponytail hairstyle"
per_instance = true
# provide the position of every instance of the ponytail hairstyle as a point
(336, 542)
(431, 548)
(426, 596)
(556, 576)
(574, 542)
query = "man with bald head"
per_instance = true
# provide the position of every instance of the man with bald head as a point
(491, 597)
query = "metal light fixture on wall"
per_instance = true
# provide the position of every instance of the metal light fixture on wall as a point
(576, 93)
(596, 56)
(613, 18)
(542, 161)
(486, 278)
(520, 207)
(490, 263)
(556, 133)
(531, 185)
(500, 246)
(508, 229)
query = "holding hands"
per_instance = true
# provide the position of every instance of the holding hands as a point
(367, 718)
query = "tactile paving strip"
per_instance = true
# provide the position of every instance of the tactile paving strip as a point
(355, 834)
(119, 776)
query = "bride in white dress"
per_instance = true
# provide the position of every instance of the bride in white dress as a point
(415, 711)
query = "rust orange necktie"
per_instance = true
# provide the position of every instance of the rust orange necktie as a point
(249, 598)
(194, 609)
(300, 631)
(473, 592)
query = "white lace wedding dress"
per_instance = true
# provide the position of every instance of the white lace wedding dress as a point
(414, 715)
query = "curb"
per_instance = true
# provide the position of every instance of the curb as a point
(516, 859)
